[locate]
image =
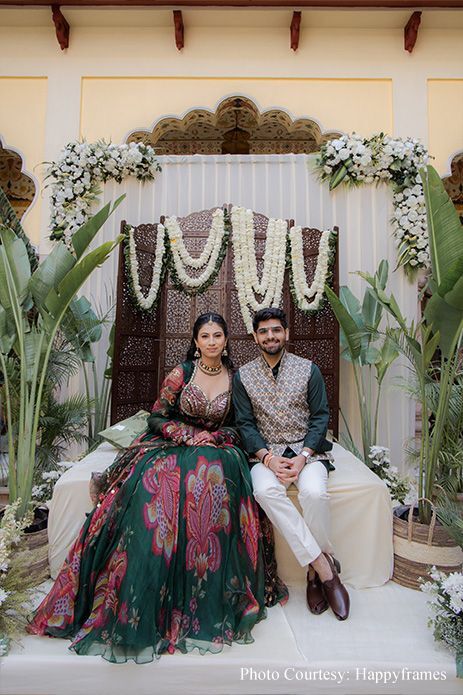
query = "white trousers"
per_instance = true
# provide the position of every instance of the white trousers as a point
(306, 535)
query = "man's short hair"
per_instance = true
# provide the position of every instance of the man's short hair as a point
(266, 314)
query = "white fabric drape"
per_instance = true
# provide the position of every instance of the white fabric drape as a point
(278, 186)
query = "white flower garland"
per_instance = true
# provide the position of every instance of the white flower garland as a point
(78, 171)
(357, 160)
(301, 291)
(146, 303)
(208, 257)
(245, 265)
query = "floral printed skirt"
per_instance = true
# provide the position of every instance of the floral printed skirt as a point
(170, 559)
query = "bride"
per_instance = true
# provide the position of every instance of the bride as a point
(171, 557)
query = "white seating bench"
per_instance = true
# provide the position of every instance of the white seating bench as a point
(360, 506)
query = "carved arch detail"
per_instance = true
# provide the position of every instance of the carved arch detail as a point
(18, 187)
(454, 183)
(237, 126)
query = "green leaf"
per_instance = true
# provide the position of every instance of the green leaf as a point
(372, 310)
(58, 300)
(338, 177)
(382, 274)
(414, 346)
(389, 353)
(110, 353)
(445, 319)
(445, 231)
(34, 349)
(51, 272)
(451, 287)
(430, 347)
(346, 322)
(9, 219)
(18, 260)
(372, 355)
(366, 276)
(7, 332)
(82, 327)
(82, 238)
(352, 304)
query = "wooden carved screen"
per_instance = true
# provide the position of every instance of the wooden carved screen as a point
(147, 346)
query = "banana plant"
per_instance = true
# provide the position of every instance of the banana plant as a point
(440, 332)
(83, 328)
(33, 304)
(370, 353)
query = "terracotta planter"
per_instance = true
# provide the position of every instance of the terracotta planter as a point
(418, 547)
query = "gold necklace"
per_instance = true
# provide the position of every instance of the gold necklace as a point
(211, 371)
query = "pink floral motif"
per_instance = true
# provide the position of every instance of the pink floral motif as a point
(250, 530)
(107, 587)
(57, 609)
(253, 606)
(173, 632)
(207, 512)
(161, 514)
(123, 616)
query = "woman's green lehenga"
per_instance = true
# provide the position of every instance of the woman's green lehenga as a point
(171, 557)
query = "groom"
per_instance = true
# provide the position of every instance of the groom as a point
(282, 415)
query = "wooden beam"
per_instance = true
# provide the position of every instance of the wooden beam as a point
(61, 26)
(179, 29)
(320, 4)
(295, 30)
(411, 31)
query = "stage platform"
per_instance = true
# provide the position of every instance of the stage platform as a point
(293, 652)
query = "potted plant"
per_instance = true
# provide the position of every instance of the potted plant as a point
(33, 304)
(432, 347)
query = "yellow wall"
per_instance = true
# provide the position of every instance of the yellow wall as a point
(361, 105)
(123, 72)
(445, 121)
(22, 127)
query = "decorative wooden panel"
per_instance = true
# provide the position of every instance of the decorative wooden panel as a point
(149, 346)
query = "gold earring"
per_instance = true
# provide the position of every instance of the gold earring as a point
(225, 351)
(197, 353)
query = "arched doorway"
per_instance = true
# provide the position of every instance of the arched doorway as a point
(236, 127)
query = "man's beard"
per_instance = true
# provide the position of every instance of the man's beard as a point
(273, 349)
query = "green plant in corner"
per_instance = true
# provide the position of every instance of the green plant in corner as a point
(32, 308)
(370, 353)
(439, 332)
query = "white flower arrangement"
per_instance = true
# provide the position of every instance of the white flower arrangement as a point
(15, 578)
(446, 592)
(356, 160)
(245, 265)
(81, 167)
(301, 291)
(400, 488)
(146, 303)
(208, 257)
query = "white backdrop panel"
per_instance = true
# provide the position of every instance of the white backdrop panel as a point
(278, 186)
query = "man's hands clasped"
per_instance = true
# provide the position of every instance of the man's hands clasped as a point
(286, 470)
